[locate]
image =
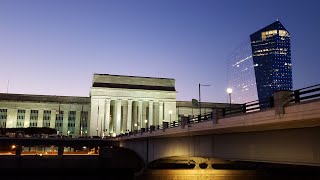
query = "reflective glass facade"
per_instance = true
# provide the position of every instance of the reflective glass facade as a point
(270, 59)
(241, 75)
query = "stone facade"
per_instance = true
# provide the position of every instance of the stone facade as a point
(117, 104)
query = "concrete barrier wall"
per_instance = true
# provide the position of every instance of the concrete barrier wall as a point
(296, 146)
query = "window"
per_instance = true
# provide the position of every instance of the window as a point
(71, 122)
(84, 121)
(59, 121)
(3, 118)
(46, 118)
(20, 118)
(33, 118)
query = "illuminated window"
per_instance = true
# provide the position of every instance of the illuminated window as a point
(3, 118)
(20, 118)
(33, 118)
(46, 118)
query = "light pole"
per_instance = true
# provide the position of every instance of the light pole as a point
(170, 113)
(200, 96)
(229, 91)
(146, 122)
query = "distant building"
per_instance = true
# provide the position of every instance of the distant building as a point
(261, 65)
(117, 104)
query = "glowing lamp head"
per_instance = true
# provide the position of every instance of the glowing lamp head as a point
(145, 121)
(229, 90)
(170, 112)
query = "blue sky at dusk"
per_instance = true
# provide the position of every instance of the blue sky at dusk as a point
(53, 47)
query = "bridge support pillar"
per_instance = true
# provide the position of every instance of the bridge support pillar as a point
(281, 99)
(60, 150)
(215, 116)
(18, 150)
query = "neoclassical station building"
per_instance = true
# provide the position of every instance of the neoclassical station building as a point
(117, 104)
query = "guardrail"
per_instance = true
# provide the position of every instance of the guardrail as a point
(296, 96)
(307, 93)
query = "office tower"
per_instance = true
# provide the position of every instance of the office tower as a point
(261, 65)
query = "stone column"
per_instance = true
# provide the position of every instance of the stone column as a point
(134, 115)
(140, 121)
(107, 116)
(27, 118)
(129, 115)
(150, 116)
(77, 124)
(65, 122)
(11, 118)
(53, 119)
(118, 116)
(160, 113)
(40, 118)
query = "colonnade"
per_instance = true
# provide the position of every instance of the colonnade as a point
(116, 116)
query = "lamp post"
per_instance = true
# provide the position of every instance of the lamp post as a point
(146, 122)
(170, 113)
(200, 96)
(229, 91)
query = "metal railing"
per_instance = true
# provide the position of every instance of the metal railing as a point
(296, 96)
(307, 93)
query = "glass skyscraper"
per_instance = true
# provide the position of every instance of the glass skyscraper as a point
(261, 65)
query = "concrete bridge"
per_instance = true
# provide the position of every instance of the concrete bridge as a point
(287, 132)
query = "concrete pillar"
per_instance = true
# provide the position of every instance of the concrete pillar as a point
(160, 112)
(129, 115)
(281, 99)
(18, 150)
(77, 123)
(215, 115)
(65, 122)
(101, 117)
(27, 118)
(140, 113)
(118, 117)
(135, 116)
(11, 118)
(40, 118)
(60, 151)
(93, 124)
(150, 115)
(53, 119)
(107, 115)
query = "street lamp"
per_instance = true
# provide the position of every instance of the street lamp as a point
(200, 96)
(170, 112)
(229, 91)
(146, 122)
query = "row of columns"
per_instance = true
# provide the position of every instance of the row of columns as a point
(128, 121)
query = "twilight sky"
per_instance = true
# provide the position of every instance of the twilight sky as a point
(53, 47)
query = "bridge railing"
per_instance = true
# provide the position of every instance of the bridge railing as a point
(296, 96)
(306, 94)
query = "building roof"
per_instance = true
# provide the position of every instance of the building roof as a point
(277, 25)
(133, 82)
(130, 76)
(44, 98)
